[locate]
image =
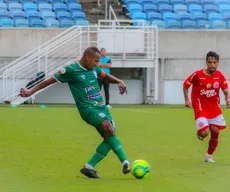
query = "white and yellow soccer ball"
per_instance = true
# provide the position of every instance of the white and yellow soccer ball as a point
(140, 169)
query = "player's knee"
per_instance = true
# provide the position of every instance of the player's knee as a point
(213, 128)
(108, 130)
(203, 133)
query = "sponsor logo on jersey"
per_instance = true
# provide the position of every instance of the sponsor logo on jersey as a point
(90, 88)
(208, 93)
(215, 85)
(208, 85)
(93, 96)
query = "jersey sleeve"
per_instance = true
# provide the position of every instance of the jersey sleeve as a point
(190, 80)
(100, 72)
(64, 75)
(224, 83)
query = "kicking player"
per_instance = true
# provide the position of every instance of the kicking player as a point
(82, 79)
(205, 101)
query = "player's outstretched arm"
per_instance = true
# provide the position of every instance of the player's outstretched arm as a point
(43, 84)
(227, 97)
(121, 85)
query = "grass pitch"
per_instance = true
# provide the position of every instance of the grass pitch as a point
(42, 150)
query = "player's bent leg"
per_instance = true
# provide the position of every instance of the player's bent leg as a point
(202, 127)
(202, 133)
(114, 143)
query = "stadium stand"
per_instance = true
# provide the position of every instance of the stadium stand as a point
(41, 13)
(181, 14)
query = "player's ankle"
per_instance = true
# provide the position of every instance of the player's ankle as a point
(125, 162)
(88, 166)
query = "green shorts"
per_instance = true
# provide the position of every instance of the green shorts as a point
(96, 115)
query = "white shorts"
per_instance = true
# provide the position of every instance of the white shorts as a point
(203, 123)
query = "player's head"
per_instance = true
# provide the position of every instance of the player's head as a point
(103, 52)
(91, 57)
(212, 61)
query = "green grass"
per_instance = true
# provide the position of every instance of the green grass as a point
(42, 150)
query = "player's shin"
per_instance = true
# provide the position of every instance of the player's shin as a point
(101, 151)
(213, 142)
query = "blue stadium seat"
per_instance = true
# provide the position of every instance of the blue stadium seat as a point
(37, 23)
(194, 8)
(148, 8)
(224, 9)
(134, 7)
(226, 16)
(144, 23)
(66, 23)
(128, 2)
(222, 2)
(169, 16)
(5, 15)
(63, 15)
(228, 25)
(33, 15)
(173, 24)
(15, 7)
(159, 23)
(160, 2)
(56, 1)
(134, 12)
(192, 2)
(41, 1)
(51, 23)
(18, 15)
(214, 16)
(210, 9)
(78, 15)
(139, 16)
(30, 7)
(70, 2)
(165, 8)
(174, 2)
(200, 16)
(180, 8)
(184, 16)
(27, 1)
(188, 24)
(10, 1)
(74, 7)
(48, 15)
(3, 7)
(154, 16)
(59, 7)
(21, 23)
(218, 24)
(82, 22)
(207, 2)
(44, 7)
(7, 23)
(202, 24)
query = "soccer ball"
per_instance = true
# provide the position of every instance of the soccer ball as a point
(140, 169)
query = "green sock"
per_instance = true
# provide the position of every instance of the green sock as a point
(115, 145)
(101, 151)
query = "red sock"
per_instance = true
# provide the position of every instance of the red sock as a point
(213, 142)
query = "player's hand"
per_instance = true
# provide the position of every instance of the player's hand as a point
(228, 103)
(25, 93)
(188, 103)
(122, 87)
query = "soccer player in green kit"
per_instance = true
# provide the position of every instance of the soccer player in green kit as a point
(82, 79)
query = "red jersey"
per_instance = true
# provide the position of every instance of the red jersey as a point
(205, 92)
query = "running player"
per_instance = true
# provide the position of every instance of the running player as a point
(82, 79)
(205, 101)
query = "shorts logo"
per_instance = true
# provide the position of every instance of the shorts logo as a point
(201, 124)
(208, 85)
(215, 85)
(101, 115)
(83, 76)
(63, 71)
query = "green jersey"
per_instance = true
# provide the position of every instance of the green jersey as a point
(83, 84)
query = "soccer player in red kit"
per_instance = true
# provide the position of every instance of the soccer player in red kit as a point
(205, 101)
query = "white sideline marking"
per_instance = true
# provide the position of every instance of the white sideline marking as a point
(137, 111)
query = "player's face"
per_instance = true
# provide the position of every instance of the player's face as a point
(92, 61)
(212, 64)
(103, 52)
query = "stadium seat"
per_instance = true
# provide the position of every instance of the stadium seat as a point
(10, 1)
(59, 7)
(63, 15)
(224, 9)
(165, 8)
(160, 2)
(148, 8)
(30, 7)
(194, 8)
(42, 1)
(145, 1)
(74, 7)
(173, 24)
(174, 2)
(51, 23)
(78, 15)
(188, 24)
(66, 23)
(154, 16)
(134, 7)
(15, 7)
(180, 8)
(169, 16)
(7, 23)
(56, 1)
(159, 23)
(184, 16)
(228, 24)
(139, 16)
(226, 16)
(33, 15)
(3, 7)
(207, 2)
(210, 9)
(202, 24)
(214, 16)
(222, 2)
(71, 2)
(44, 7)
(200, 16)
(21, 23)
(82, 22)
(218, 24)
(37, 23)
(18, 15)
(48, 15)
(5, 15)
(192, 2)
